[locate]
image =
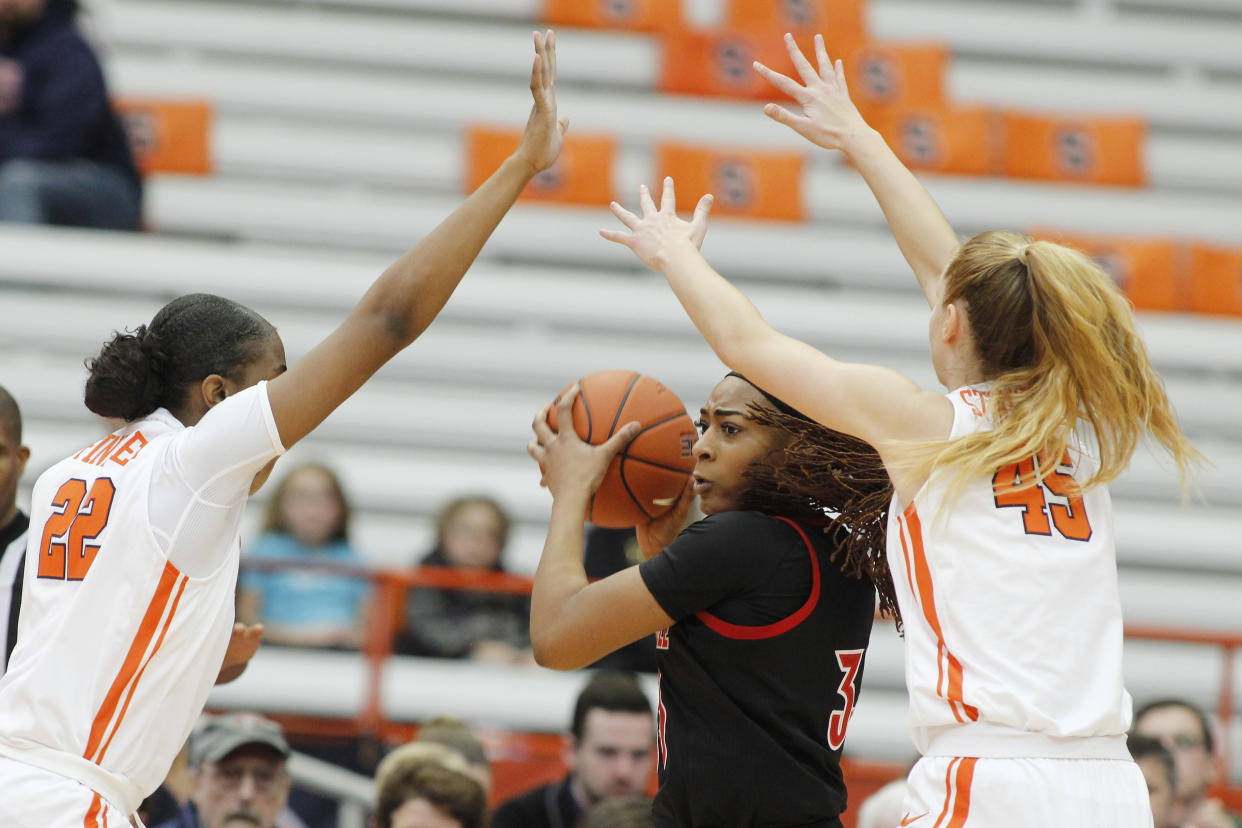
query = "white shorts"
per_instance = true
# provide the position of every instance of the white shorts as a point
(957, 792)
(36, 798)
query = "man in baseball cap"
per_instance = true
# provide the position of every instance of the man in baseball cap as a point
(238, 761)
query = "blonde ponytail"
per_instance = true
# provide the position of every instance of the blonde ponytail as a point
(1057, 340)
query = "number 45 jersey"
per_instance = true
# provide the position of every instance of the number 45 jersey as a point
(1011, 607)
(128, 595)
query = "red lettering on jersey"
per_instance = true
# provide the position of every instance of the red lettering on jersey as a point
(127, 452)
(850, 662)
(661, 722)
(662, 639)
(976, 399)
(99, 452)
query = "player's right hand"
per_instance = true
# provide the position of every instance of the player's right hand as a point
(541, 142)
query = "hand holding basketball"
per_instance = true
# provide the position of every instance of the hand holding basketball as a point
(569, 463)
(829, 118)
(658, 229)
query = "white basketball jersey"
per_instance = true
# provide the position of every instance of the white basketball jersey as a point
(1010, 603)
(128, 595)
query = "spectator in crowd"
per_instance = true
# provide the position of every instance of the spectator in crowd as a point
(456, 735)
(307, 522)
(1184, 730)
(619, 812)
(883, 809)
(427, 793)
(1160, 771)
(64, 155)
(608, 751)
(13, 521)
(239, 775)
(471, 533)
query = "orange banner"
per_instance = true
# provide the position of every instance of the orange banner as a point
(1151, 272)
(582, 174)
(642, 15)
(1095, 150)
(964, 140)
(718, 62)
(841, 22)
(883, 75)
(1216, 280)
(765, 185)
(168, 135)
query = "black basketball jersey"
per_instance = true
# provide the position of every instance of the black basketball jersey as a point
(759, 673)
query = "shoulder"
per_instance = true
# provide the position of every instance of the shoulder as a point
(522, 808)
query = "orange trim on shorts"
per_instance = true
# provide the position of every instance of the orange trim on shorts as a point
(91, 820)
(917, 561)
(133, 660)
(957, 792)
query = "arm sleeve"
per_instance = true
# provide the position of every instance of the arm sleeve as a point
(205, 477)
(66, 99)
(716, 558)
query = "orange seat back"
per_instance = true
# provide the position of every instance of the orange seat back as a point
(963, 140)
(1151, 272)
(1094, 150)
(582, 174)
(1216, 280)
(841, 22)
(170, 136)
(642, 15)
(751, 183)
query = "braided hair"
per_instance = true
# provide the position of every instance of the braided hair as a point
(824, 473)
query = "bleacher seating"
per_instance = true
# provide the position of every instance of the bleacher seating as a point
(337, 142)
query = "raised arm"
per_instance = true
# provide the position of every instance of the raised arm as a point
(829, 119)
(873, 403)
(407, 296)
(574, 622)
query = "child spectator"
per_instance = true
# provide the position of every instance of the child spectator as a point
(307, 521)
(471, 532)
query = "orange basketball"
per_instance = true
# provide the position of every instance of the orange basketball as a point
(649, 473)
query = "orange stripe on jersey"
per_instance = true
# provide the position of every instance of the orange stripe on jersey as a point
(961, 804)
(133, 659)
(91, 820)
(948, 792)
(134, 684)
(927, 600)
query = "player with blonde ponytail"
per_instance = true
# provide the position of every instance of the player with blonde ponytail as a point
(1000, 538)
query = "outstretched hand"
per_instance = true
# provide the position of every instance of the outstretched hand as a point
(651, 234)
(829, 118)
(541, 142)
(568, 462)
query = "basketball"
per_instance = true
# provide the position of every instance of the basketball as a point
(648, 474)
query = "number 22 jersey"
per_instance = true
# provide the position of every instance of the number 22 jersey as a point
(1012, 614)
(128, 595)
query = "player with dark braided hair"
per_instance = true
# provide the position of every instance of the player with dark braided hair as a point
(762, 610)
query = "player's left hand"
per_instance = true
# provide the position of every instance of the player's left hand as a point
(541, 142)
(655, 535)
(657, 229)
(568, 462)
(243, 644)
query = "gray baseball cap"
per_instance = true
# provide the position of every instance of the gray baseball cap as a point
(218, 736)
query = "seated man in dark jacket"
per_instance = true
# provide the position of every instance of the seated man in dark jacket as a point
(64, 155)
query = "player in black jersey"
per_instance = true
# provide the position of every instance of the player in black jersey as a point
(762, 609)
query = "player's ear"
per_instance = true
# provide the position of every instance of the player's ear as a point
(214, 389)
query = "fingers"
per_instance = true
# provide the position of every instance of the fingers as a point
(549, 41)
(703, 208)
(627, 218)
(562, 124)
(565, 410)
(698, 224)
(644, 200)
(617, 236)
(783, 116)
(785, 84)
(805, 70)
(668, 199)
(840, 73)
(543, 431)
(821, 57)
(620, 439)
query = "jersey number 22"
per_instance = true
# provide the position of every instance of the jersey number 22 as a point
(79, 515)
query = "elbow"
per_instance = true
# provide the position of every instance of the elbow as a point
(552, 653)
